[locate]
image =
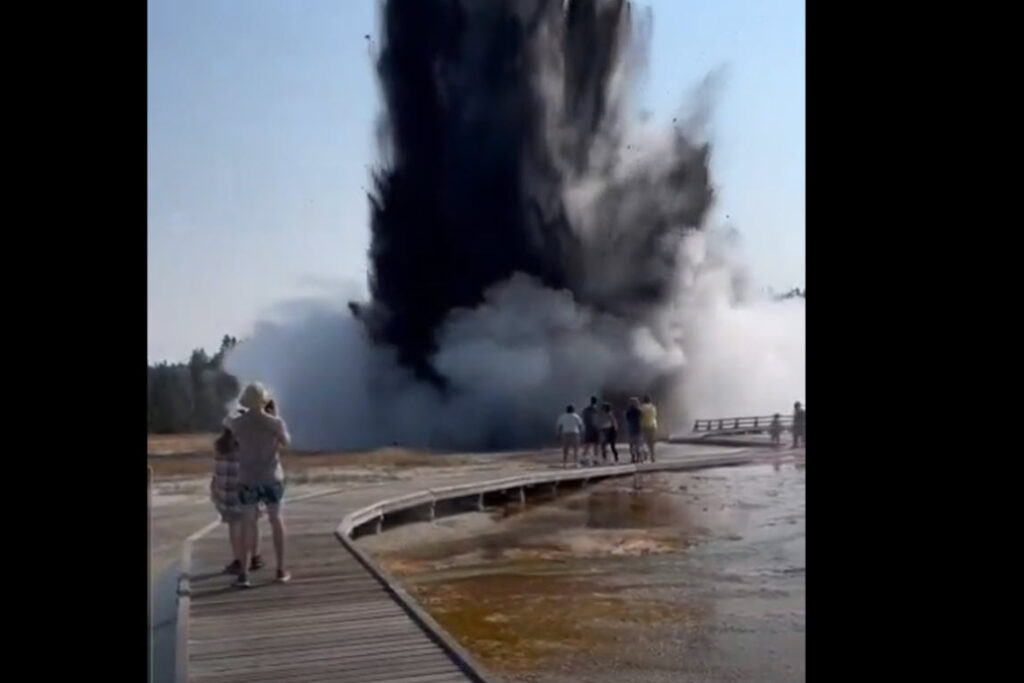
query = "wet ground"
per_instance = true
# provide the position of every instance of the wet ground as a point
(695, 577)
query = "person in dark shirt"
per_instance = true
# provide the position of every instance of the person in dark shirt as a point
(609, 432)
(775, 430)
(799, 425)
(591, 433)
(633, 428)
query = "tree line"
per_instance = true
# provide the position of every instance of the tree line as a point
(192, 396)
(795, 293)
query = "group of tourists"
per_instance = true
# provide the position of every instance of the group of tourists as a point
(598, 431)
(248, 479)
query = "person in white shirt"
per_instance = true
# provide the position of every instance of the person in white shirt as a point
(568, 428)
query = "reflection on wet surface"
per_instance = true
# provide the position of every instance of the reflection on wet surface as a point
(695, 577)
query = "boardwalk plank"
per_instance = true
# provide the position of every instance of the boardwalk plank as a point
(414, 660)
(399, 641)
(365, 651)
(300, 672)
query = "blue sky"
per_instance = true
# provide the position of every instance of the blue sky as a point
(261, 116)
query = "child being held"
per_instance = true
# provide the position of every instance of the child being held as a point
(224, 496)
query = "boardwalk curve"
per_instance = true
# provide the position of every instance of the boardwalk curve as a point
(343, 618)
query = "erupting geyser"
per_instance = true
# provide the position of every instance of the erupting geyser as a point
(497, 113)
(532, 245)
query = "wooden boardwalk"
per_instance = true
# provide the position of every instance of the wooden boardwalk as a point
(340, 618)
(335, 621)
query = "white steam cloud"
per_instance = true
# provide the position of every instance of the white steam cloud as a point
(517, 359)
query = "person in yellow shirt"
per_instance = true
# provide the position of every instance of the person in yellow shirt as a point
(649, 424)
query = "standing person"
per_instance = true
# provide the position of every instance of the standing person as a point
(633, 428)
(568, 428)
(775, 430)
(799, 425)
(649, 424)
(260, 437)
(591, 433)
(224, 494)
(609, 432)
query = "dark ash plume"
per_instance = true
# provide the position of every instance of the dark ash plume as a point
(494, 108)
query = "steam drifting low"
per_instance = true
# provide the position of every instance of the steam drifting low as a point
(531, 245)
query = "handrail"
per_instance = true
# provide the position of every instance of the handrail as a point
(442, 493)
(378, 510)
(733, 423)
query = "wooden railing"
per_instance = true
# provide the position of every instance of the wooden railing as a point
(758, 423)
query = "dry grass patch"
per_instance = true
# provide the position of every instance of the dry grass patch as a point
(179, 444)
(380, 458)
(194, 454)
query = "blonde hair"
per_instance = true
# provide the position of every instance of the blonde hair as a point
(254, 397)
